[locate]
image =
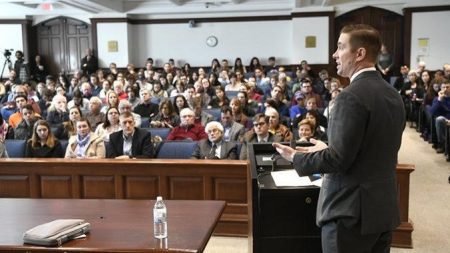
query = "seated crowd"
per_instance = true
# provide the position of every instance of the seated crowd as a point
(426, 98)
(223, 108)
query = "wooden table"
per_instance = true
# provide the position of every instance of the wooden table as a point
(116, 225)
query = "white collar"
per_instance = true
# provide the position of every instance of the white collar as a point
(361, 71)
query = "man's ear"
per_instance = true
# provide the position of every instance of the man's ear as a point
(360, 54)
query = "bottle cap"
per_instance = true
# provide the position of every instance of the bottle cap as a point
(159, 198)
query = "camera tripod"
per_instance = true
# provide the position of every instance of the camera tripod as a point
(7, 61)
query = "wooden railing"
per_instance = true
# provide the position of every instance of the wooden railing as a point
(146, 179)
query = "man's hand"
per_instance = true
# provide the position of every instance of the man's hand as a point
(285, 151)
(318, 146)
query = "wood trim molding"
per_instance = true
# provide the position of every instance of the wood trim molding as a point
(313, 14)
(428, 8)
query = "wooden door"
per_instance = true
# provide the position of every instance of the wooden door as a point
(62, 43)
(390, 25)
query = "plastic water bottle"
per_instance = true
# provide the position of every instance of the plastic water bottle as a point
(160, 219)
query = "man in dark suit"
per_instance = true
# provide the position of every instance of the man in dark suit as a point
(357, 207)
(130, 142)
(89, 63)
(233, 131)
(259, 133)
(215, 147)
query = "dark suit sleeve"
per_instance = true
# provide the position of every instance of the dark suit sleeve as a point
(146, 145)
(346, 137)
(111, 147)
(232, 151)
(28, 150)
(58, 151)
(196, 152)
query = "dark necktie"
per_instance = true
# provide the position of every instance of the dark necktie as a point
(212, 153)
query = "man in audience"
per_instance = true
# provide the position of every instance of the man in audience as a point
(15, 118)
(277, 96)
(403, 79)
(125, 106)
(275, 127)
(271, 67)
(96, 86)
(201, 117)
(319, 83)
(187, 130)
(233, 131)
(215, 147)
(308, 92)
(259, 133)
(146, 108)
(89, 63)
(261, 80)
(94, 115)
(130, 142)
(21, 68)
(86, 90)
(441, 110)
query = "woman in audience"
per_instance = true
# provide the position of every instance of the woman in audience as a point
(110, 125)
(318, 131)
(305, 130)
(220, 99)
(233, 85)
(413, 95)
(238, 66)
(249, 107)
(74, 85)
(430, 94)
(187, 69)
(425, 79)
(238, 115)
(157, 91)
(167, 117)
(57, 112)
(112, 100)
(85, 144)
(106, 86)
(207, 88)
(118, 87)
(330, 106)
(213, 80)
(179, 89)
(68, 128)
(62, 81)
(179, 103)
(254, 63)
(43, 143)
(215, 66)
(24, 129)
(100, 75)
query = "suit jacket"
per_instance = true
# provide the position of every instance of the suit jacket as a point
(364, 136)
(228, 150)
(250, 137)
(142, 146)
(236, 132)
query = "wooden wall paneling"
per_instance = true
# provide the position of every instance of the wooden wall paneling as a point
(98, 187)
(55, 186)
(186, 188)
(140, 187)
(15, 186)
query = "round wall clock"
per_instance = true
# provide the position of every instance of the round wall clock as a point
(212, 41)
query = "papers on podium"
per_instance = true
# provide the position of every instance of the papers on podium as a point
(291, 178)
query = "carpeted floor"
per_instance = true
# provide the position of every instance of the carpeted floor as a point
(429, 206)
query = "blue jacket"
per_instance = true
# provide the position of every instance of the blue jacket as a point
(441, 108)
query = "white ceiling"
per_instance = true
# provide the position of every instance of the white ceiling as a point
(194, 8)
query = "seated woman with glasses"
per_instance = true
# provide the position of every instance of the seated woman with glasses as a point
(43, 143)
(85, 144)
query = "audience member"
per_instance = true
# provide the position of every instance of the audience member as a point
(110, 124)
(68, 128)
(259, 133)
(131, 141)
(441, 111)
(166, 116)
(43, 144)
(187, 130)
(238, 114)
(89, 63)
(275, 127)
(125, 106)
(305, 130)
(215, 147)
(57, 112)
(94, 115)
(145, 108)
(233, 131)
(85, 144)
(24, 129)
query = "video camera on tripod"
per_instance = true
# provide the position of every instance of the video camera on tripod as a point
(7, 53)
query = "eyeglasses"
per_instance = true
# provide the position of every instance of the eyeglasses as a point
(258, 124)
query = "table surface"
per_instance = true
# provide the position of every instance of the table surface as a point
(116, 225)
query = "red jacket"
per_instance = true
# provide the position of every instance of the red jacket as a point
(195, 132)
